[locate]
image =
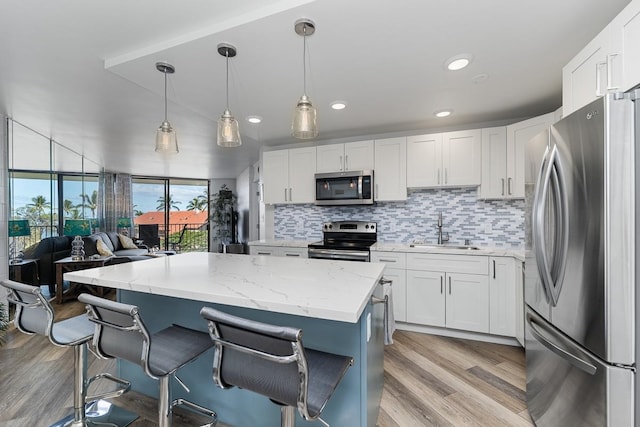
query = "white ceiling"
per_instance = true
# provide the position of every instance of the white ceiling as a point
(83, 71)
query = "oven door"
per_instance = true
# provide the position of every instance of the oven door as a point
(338, 254)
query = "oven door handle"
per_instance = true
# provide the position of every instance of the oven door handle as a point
(339, 255)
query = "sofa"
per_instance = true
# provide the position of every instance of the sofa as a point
(51, 249)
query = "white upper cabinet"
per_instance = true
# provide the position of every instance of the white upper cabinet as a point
(288, 175)
(584, 78)
(343, 157)
(450, 159)
(390, 169)
(624, 57)
(503, 157)
(609, 63)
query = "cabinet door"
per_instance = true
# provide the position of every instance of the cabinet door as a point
(424, 161)
(584, 77)
(302, 164)
(398, 278)
(623, 59)
(330, 158)
(294, 252)
(275, 176)
(461, 158)
(518, 134)
(390, 171)
(502, 296)
(425, 298)
(467, 302)
(358, 156)
(494, 163)
(263, 250)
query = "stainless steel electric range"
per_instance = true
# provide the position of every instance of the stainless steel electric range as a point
(345, 240)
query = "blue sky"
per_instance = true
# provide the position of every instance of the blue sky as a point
(145, 195)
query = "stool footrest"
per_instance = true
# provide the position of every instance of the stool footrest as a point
(198, 409)
(125, 386)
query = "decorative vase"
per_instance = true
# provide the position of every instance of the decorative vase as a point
(77, 249)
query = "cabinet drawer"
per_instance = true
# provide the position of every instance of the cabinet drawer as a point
(391, 259)
(470, 264)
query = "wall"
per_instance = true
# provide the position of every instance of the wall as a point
(485, 223)
(4, 206)
(243, 191)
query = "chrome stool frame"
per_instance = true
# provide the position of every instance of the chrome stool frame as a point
(35, 315)
(121, 333)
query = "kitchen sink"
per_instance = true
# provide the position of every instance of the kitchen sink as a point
(431, 246)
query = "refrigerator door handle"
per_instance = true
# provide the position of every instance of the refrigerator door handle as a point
(562, 227)
(566, 355)
(537, 223)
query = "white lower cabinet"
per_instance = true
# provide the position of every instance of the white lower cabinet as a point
(502, 295)
(278, 251)
(448, 291)
(395, 271)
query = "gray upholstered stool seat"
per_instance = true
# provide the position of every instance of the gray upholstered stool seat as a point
(120, 333)
(34, 315)
(271, 360)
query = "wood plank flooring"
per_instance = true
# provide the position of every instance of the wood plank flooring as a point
(429, 381)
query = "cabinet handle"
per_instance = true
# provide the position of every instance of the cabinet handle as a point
(285, 194)
(346, 162)
(291, 254)
(264, 253)
(509, 185)
(449, 285)
(441, 279)
(438, 176)
(502, 179)
(290, 197)
(599, 66)
(610, 85)
(494, 268)
(376, 191)
(445, 176)
(386, 260)
(340, 167)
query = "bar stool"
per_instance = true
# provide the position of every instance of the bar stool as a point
(121, 333)
(271, 360)
(34, 315)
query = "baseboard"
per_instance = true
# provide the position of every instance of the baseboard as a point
(454, 333)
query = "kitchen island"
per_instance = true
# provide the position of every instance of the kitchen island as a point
(329, 300)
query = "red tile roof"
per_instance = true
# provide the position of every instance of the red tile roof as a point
(175, 218)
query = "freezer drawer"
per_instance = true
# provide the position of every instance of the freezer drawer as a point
(566, 386)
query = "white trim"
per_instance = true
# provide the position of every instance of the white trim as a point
(454, 333)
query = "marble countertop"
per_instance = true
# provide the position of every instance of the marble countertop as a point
(481, 251)
(333, 290)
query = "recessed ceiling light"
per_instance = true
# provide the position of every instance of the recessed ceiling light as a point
(338, 105)
(443, 113)
(254, 119)
(458, 62)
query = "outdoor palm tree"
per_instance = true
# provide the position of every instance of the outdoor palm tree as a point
(90, 202)
(39, 206)
(70, 210)
(197, 204)
(170, 204)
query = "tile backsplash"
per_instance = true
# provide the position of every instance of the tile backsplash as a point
(498, 223)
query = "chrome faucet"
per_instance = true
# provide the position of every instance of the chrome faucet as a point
(442, 237)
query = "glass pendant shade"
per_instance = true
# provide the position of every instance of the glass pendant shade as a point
(166, 139)
(228, 131)
(304, 125)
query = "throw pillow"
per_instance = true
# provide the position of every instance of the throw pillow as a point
(126, 242)
(103, 249)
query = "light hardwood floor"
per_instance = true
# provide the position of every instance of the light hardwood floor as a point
(429, 381)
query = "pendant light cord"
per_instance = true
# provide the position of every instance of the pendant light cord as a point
(165, 96)
(227, 55)
(304, 60)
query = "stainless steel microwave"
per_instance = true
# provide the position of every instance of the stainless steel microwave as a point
(344, 188)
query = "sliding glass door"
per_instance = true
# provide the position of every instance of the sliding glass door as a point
(171, 214)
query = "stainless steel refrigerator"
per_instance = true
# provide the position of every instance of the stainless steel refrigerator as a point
(581, 267)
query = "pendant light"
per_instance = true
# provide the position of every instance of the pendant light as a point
(228, 129)
(304, 125)
(166, 140)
